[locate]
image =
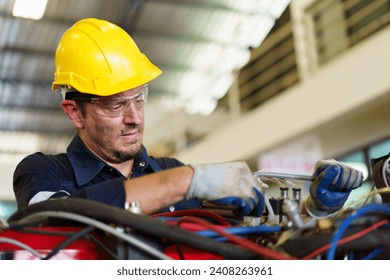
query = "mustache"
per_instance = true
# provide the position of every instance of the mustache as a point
(130, 128)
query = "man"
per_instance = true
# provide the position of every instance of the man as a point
(103, 78)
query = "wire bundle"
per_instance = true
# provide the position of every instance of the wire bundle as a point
(204, 231)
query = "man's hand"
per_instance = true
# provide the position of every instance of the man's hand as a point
(331, 187)
(230, 183)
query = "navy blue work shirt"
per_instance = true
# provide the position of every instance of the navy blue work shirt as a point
(80, 173)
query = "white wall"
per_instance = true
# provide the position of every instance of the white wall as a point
(6, 172)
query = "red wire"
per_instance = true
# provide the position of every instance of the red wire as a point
(199, 213)
(346, 239)
(187, 216)
(264, 251)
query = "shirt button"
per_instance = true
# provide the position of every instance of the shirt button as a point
(142, 164)
(172, 208)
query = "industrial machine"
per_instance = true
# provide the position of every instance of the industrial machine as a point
(81, 229)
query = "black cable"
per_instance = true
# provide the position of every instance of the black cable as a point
(180, 251)
(305, 244)
(90, 238)
(141, 223)
(77, 235)
(21, 226)
(102, 246)
(43, 232)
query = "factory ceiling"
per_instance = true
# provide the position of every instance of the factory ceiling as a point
(199, 44)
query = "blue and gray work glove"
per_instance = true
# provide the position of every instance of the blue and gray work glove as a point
(230, 183)
(331, 187)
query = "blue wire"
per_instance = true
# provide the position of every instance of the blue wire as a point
(374, 253)
(351, 255)
(370, 256)
(356, 214)
(242, 230)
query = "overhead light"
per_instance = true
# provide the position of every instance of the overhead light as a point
(33, 9)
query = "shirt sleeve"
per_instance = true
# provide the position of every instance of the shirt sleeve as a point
(39, 177)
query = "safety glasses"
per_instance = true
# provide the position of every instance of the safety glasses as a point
(113, 107)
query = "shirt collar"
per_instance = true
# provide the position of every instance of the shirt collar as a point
(87, 165)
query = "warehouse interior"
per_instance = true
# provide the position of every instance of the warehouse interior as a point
(279, 84)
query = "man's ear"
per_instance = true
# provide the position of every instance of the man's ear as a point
(73, 113)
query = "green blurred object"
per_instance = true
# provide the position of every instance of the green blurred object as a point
(7, 208)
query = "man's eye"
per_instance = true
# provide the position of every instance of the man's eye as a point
(114, 107)
(139, 100)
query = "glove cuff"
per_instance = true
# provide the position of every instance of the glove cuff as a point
(195, 178)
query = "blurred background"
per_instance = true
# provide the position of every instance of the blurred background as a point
(277, 83)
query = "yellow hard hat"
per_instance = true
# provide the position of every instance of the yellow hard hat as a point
(98, 57)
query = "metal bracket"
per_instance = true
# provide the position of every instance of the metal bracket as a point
(261, 173)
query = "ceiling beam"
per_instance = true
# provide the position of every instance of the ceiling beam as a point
(46, 84)
(26, 51)
(32, 119)
(197, 5)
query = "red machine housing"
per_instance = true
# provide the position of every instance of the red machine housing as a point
(81, 249)
(45, 243)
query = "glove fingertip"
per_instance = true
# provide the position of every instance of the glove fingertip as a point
(334, 168)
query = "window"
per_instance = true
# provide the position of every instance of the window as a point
(361, 160)
(7, 208)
